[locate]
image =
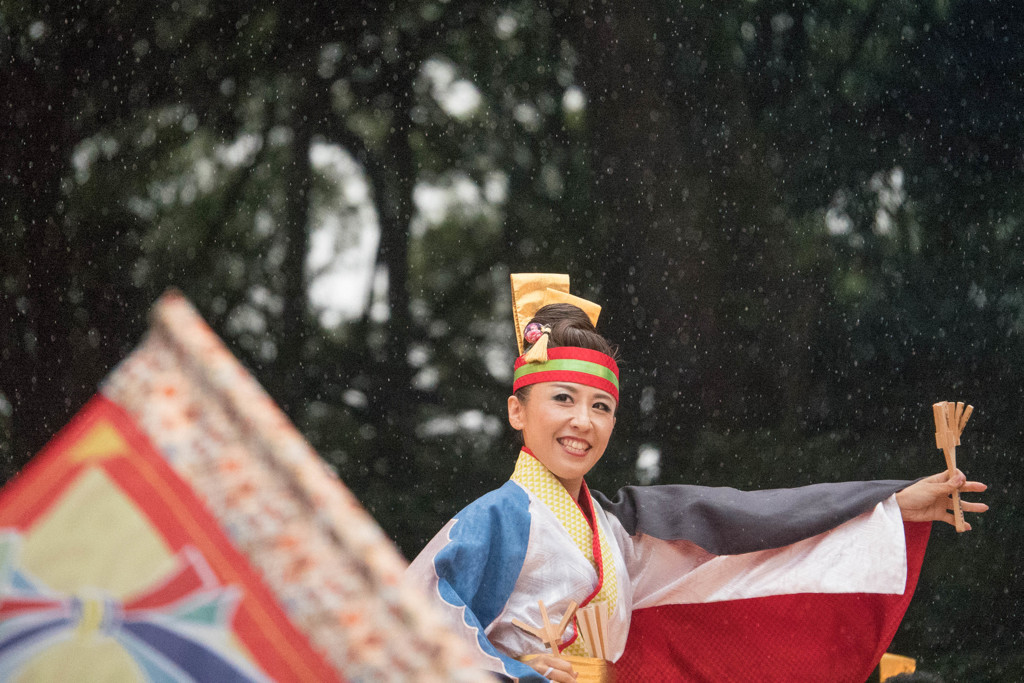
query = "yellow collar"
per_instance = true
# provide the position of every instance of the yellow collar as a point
(533, 476)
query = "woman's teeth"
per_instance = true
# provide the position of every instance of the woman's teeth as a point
(575, 445)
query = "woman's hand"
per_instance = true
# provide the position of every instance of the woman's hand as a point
(553, 668)
(929, 500)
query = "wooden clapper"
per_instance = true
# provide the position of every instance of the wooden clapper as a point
(950, 420)
(592, 622)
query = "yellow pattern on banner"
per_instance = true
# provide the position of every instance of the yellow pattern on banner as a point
(531, 474)
(101, 441)
(95, 535)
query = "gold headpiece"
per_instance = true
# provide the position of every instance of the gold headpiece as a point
(532, 291)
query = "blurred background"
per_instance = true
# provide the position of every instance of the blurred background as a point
(803, 220)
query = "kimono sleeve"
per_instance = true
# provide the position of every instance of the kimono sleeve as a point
(470, 568)
(727, 521)
(802, 584)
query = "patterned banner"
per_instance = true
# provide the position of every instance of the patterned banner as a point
(180, 529)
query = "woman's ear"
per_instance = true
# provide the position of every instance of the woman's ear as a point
(515, 413)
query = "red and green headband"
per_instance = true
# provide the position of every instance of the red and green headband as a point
(570, 364)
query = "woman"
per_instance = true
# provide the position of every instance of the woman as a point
(685, 572)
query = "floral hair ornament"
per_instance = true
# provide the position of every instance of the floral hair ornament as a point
(534, 331)
(531, 292)
(537, 336)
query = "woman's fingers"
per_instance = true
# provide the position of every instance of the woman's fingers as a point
(938, 477)
(553, 668)
(930, 499)
(972, 507)
(562, 677)
(973, 487)
(966, 506)
(958, 480)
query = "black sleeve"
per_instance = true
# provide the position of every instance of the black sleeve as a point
(727, 521)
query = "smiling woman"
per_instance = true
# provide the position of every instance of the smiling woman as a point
(566, 427)
(672, 582)
(564, 407)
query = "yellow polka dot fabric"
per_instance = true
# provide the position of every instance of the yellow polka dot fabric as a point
(531, 474)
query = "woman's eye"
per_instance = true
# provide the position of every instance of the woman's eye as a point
(604, 407)
(562, 398)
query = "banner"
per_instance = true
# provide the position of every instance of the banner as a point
(180, 529)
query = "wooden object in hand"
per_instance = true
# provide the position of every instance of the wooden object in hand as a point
(950, 420)
(549, 634)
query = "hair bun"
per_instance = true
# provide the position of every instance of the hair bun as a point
(569, 326)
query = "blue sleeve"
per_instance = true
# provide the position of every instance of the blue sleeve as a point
(478, 568)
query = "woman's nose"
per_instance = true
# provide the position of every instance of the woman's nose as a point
(581, 417)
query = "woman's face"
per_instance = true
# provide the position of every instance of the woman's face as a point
(566, 425)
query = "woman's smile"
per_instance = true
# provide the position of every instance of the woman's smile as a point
(566, 426)
(574, 446)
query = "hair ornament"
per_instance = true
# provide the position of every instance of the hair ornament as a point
(537, 335)
(533, 332)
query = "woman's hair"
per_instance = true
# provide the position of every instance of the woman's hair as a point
(570, 326)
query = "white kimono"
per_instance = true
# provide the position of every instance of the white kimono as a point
(672, 551)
